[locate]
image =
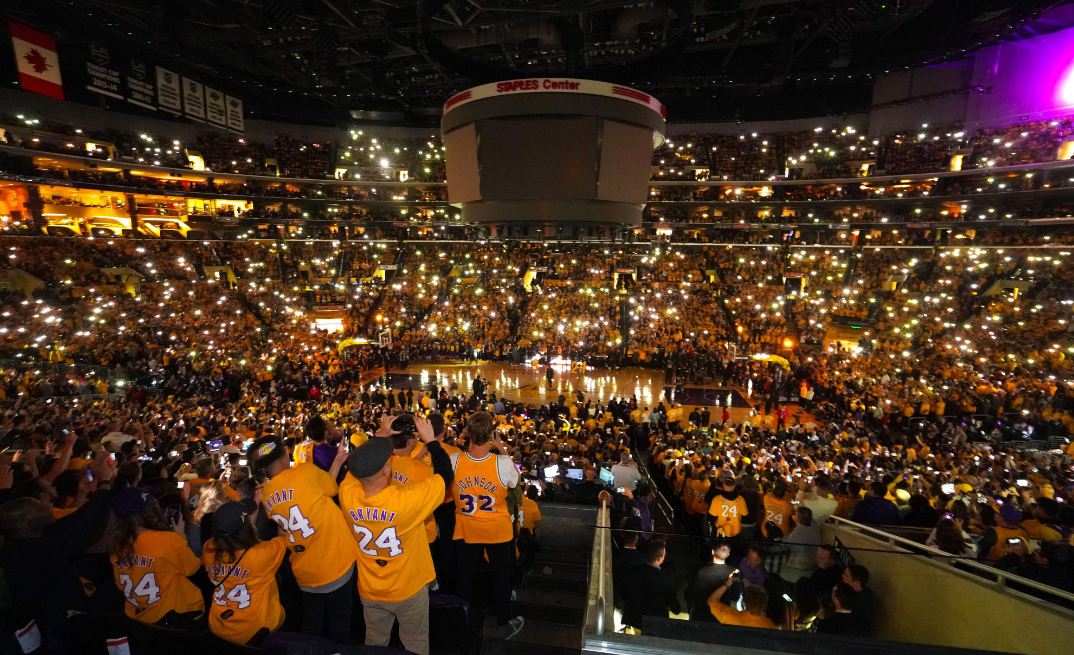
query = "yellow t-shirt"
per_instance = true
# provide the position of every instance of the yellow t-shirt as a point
(394, 561)
(247, 600)
(529, 514)
(154, 580)
(300, 500)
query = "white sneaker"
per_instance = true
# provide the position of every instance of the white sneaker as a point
(512, 628)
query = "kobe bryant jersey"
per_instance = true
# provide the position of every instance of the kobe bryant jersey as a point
(480, 496)
(299, 499)
(407, 470)
(154, 579)
(394, 561)
(245, 598)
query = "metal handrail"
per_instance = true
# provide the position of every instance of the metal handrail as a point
(604, 522)
(1002, 577)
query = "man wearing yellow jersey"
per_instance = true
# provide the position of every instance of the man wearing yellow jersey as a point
(323, 554)
(777, 513)
(407, 470)
(482, 523)
(395, 566)
(726, 508)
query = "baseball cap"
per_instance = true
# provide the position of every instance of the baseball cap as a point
(1010, 513)
(369, 458)
(965, 488)
(229, 519)
(265, 451)
(130, 501)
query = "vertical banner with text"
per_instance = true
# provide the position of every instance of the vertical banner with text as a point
(194, 100)
(169, 91)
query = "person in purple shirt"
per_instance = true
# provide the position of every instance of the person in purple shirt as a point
(319, 431)
(752, 569)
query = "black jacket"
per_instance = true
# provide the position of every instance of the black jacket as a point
(647, 591)
(708, 578)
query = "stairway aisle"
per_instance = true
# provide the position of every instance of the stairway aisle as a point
(552, 601)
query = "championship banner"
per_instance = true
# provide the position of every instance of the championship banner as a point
(101, 74)
(38, 63)
(140, 88)
(169, 91)
(215, 108)
(194, 100)
(234, 114)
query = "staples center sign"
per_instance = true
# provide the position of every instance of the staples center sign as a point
(554, 85)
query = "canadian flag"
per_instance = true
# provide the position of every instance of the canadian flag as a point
(39, 65)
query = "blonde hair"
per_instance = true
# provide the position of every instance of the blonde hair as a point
(212, 496)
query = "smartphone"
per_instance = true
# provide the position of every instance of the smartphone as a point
(735, 572)
(788, 598)
(174, 453)
(175, 512)
(1022, 483)
(242, 462)
(620, 490)
(181, 483)
(89, 475)
(1014, 541)
(948, 488)
(983, 500)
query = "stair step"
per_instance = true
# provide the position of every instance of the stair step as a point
(535, 637)
(549, 583)
(575, 599)
(558, 615)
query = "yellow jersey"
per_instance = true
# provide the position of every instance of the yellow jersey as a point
(480, 500)
(299, 499)
(247, 600)
(154, 580)
(777, 511)
(394, 561)
(304, 452)
(728, 515)
(407, 470)
(529, 514)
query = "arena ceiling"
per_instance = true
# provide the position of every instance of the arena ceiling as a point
(322, 60)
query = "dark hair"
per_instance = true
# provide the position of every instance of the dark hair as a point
(401, 440)
(152, 517)
(204, 467)
(780, 490)
(756, 600)
(830, 549)
(654, 551)
(227, 546)
(879, 489)
(315, 429)
(949, 537)
(859, 573)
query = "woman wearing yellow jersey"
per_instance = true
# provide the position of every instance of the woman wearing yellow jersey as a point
(246, 602)
(151, 562)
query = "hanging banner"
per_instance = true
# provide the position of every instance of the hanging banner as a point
(38, 63)
(194, 100)
(234, 114)
(101, 74)
(215, 109)
(140, 88)
(169, 93)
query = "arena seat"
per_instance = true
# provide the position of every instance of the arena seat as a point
(149, 639)
(451, 629)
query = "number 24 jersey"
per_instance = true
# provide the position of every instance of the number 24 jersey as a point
(299, 499)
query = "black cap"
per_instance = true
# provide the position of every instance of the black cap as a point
(405, 423)
(369, 458)
(229, 519)
(265, 451)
